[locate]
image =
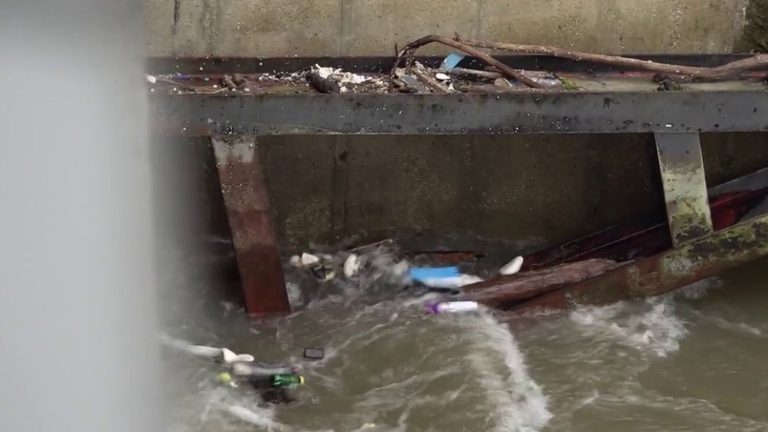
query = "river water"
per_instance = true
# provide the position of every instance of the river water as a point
(693, 360)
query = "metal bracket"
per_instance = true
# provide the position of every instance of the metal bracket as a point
(245, 196)
(685, 186)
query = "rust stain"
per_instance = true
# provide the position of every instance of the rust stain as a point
(245, 197)
(664, 272)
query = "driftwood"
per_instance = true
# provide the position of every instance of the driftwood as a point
(472, 47)
(505, 291)
(713, 73)
(409, 48)
(472, 72)
(421, 71)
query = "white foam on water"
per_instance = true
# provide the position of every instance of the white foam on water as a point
(255, 416)
(295, 296)
(738, 327)
(518, 401)
(590, 399)
(699, 289)
(650, 326)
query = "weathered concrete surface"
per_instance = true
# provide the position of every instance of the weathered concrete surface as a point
(617, 26)
(158, 27)
(548, 188)
(502, 187)
(755, 34)
(375, 26)
(372, 27)
(685, 186)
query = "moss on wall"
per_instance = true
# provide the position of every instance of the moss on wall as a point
(755, 34)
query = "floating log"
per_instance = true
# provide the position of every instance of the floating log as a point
(505, 291)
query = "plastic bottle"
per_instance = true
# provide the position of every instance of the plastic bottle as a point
(453, 307)
(286, 380)
(512, 267)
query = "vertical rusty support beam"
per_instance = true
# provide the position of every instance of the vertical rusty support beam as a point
(241, 176)
(685, 186)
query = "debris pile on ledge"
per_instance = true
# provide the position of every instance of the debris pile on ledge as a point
(407, 75)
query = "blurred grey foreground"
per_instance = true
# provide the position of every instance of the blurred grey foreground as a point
(77, 288)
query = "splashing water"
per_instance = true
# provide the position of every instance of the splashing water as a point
(390, 367)
(648, 326)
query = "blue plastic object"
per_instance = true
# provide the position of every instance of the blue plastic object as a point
(451, 61)
(421, 274)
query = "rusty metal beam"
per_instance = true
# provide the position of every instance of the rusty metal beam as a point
(245, 197)
(659, 274)
(685, 187)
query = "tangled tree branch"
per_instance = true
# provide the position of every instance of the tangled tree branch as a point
(470, 47)
(714, 73)
(409, 48)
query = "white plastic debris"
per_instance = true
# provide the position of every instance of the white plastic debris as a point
(308, 260)
(512, 267)
(351, 265)
(225, 354)
(339, 76)
(325, 72)
(351, 78)
(452, 282)
(252, 417)
(442, 76)
(453, 307)
(151, 79)
(230, 357)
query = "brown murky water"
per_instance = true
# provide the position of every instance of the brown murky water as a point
(694, 360)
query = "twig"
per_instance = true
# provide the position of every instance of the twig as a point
(229, 83)
(409, 48)
(421, 72)
(720, 72)
(473, 72)
(371, 245)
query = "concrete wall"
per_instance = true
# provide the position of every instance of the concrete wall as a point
(755, 34)
(267, 28)
(527, 188)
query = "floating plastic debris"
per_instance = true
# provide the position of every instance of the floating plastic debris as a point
(351, 265)
(451, 61)
(512, 267)
(442, 277)
(452, 307)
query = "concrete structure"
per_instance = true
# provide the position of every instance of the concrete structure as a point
(276, 28)
(536, 189)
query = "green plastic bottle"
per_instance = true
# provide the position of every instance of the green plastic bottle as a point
(287, 380)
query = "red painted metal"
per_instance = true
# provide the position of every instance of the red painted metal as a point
(245, 197)
(642, 239)
(664, 272)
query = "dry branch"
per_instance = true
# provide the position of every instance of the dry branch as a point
(713, 73)
(409, 48)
